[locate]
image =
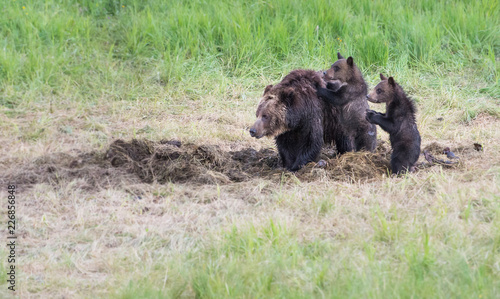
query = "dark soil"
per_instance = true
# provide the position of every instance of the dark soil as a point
(144, 161)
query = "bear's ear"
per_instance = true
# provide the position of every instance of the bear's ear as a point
(350, 61)
(287, 96)
(268, 88)
(382, 77)
(391, 81)
(339, 56)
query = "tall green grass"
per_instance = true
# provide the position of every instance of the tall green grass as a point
(89, 48)
(271, 261)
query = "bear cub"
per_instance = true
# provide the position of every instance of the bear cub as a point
(292, 113)
(399, 121)
(346, 91)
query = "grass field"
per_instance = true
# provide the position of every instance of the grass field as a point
(77, 75)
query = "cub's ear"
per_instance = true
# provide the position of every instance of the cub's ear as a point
(339, 56)
(287, 96)
(391, 81)
(268, 88)
(382, 77)
(350, 61)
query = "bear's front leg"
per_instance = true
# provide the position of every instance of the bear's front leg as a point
(310, 154)
(381, 120)
(308, 145)
(374, 112)
(344, 144)
(335, 85)
(332, 97)
(367, 140)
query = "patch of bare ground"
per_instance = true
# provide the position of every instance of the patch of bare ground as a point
(145, 161)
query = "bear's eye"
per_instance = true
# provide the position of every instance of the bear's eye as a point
(264, 116)
(336, 68)
(379, 91)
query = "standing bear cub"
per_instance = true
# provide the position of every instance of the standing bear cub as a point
(399, 121)
(346, 91)
(299, 121)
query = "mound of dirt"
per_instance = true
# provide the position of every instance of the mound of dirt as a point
(208, 164)
(91, 170)
(352, 166)
(144, 161)
(203, 164)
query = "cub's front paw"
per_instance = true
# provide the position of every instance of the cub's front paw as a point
(320, 92)
(370, 115)
(335, 85)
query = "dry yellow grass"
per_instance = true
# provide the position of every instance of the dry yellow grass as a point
(80, 240)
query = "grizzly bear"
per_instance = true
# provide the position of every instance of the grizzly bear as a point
(299, 121)
(399, 121)
(346, 90)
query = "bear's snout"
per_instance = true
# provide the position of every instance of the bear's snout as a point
(252, 132)
(371, 99)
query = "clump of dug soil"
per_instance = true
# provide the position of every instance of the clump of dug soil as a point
(88, 170)
(144, 161)
(176, 162)
(351, 166)
(208, 164)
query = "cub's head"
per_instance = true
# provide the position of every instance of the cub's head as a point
(384, 91)
(271, 114)
(343, 69)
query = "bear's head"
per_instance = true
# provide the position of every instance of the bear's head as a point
(384, 91)
(271, 114)
(343, 70)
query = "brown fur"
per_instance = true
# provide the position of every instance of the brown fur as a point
(346, 91)
(399, 121)
(271, 114)
(292, 113)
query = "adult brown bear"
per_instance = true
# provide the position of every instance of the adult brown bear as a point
(300, 122)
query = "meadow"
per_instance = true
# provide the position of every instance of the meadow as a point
(75, 76)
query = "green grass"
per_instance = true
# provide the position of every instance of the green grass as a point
(404, 254)
(76, 75)
(95, 49)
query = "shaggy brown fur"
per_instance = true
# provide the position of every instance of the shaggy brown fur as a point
(346, 91)
(292, 113)
(399, 121)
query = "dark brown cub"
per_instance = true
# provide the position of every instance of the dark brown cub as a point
(346, 91)
(399, 121)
